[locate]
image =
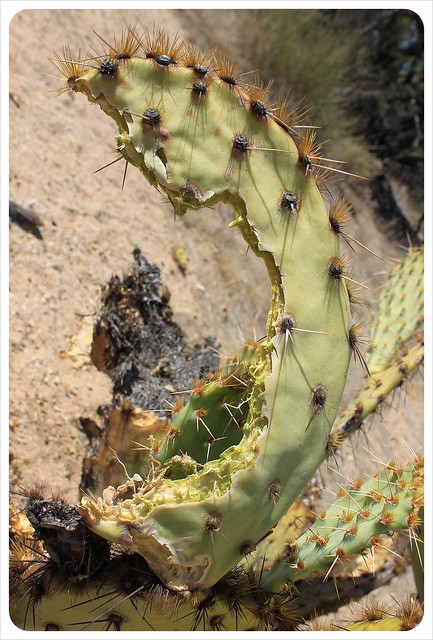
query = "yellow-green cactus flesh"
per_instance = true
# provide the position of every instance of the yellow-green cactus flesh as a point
(203, 147)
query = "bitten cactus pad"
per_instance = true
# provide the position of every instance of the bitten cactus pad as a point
(202, 138)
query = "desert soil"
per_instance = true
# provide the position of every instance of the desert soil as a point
(90, 227)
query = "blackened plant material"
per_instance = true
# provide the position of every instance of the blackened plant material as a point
(137, 325)
(65, 537)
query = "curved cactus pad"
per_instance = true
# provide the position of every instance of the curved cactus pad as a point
(201, 137)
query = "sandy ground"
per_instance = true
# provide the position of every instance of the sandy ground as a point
(90, 228)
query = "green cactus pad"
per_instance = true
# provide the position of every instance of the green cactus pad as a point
(105, 606)
(400, 311)
(212, 420)
(376, 390)
(354, 523)
(397, 343)
(202, 138)
(83, 584)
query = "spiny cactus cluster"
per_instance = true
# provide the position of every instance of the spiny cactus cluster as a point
(180, 538)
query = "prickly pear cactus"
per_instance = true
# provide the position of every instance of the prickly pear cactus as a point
(182, 543)
(201, 137)
(65, 578)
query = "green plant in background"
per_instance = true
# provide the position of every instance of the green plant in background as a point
(318, 62)
(365, 70)
(180, 539)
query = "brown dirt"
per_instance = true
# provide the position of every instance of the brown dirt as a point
(90, 228)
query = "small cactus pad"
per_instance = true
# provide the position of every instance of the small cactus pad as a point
(354, 523)
(373, 616)
(212, 420)
(397, 343)
(400, 311)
